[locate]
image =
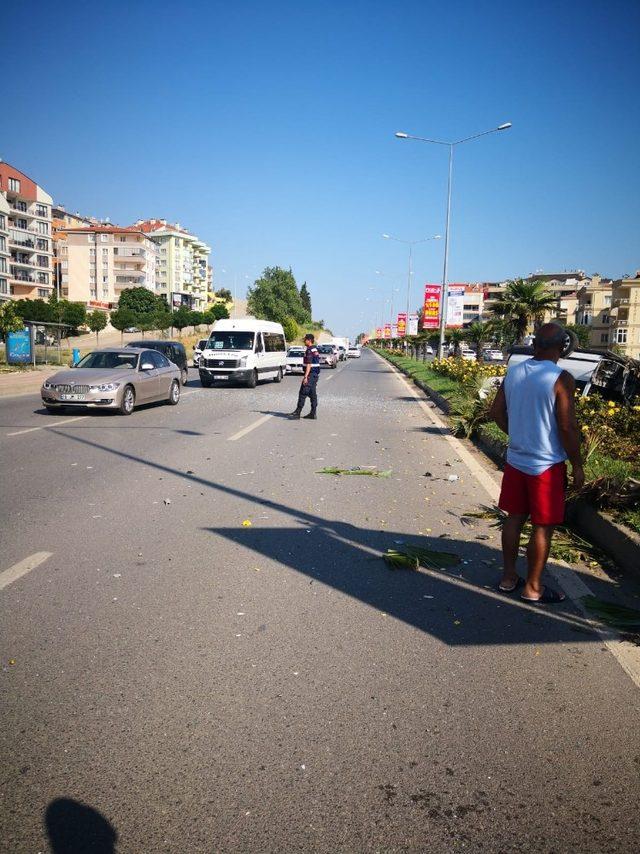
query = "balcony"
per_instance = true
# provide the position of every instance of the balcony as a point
(18, 276)
(130, 252)
(622, 301)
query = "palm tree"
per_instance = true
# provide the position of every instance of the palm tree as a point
(456, 338)
(477, 333)
(524, 302)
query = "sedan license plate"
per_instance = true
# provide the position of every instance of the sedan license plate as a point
(72, 397)
(220, 376)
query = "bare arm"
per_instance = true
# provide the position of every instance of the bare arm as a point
(568, 426)
(498, 411)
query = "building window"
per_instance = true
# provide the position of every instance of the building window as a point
(105, 251)
(4, 288)
(92, 252)
(43, 293)
(607, 299)
(605, 318)
(43, 278)
(620, 336)
(3, 265)
(103, 238)
(90, 239)
(604, 338)
(43, 261)
(43, 228)
(94, 293)
(41, 210)
(3, 244)
(42, 245)
(14, 185)
(3, 222)
(105, 280)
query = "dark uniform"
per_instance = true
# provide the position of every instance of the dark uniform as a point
(309, 389)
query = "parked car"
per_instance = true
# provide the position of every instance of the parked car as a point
(197, 351)
(295, 360)
(468, 355)
(244, 350)
(132, 329)
(327, 355)
(342, 353)
(118, 379)
(353, 353)
(492, 356)
(173, 350)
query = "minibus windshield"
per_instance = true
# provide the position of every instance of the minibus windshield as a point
(231, 341)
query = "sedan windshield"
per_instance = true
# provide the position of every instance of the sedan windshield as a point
(231, 341)
(295, 351)
(325, 348)
(109, 360)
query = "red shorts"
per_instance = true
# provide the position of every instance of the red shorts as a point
(539, 495)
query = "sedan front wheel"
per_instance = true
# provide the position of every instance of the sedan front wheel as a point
(174, 393)
(128, 401)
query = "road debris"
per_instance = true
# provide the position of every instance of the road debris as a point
(247, 523)
(372, 471)
(413, 557)
(167, 501)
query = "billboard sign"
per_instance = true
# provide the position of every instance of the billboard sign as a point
(378, 331)
(387, 330)
(431, 311)
(394, 330)
(412, 325)
(19, 347)
(455, 305)
(402, 324)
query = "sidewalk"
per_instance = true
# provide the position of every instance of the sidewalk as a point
(24, 382)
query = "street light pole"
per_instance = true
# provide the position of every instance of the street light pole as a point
(444, 296)
(410, 244)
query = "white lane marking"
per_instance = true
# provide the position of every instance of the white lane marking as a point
(248, 429)
(46, 426)
(22, 568)
(627, 656)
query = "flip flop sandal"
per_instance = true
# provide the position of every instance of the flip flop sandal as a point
(548, 597)
(519, 583)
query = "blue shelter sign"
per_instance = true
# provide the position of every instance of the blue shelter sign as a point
(19, 347)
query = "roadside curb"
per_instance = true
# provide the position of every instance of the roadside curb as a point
(621, 544)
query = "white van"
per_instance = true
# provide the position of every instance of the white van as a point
(244, 350)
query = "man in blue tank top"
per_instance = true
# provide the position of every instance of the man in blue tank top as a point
(535, 406)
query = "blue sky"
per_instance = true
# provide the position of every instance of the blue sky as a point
(267, 129)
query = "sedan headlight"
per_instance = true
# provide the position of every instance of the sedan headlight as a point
(105, 387)
(47, 384)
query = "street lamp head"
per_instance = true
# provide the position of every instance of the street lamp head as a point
(401, 134)
(505, 126)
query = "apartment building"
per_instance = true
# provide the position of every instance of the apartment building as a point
(473, 306)
(30, 274)
(210, 292)
(5, 255)
(594, 311)
(98, 262)
(182, 263)
(61, 220)
(625, 316)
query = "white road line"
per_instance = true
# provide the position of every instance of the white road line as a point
(248, 429)
(46, 426)
(22, 568)
(627, 656)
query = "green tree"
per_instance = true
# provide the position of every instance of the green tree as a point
(275, 296)
(478, 333)
(182, 318)
(72, 314)
(10, 319)
(121, 319)
(291, 329)
(36, 310)
(139, 300)
(581, 332)
(305, 298)
(220, 311)
(456, 337)
(96, 321)
(224, 294)
(196, 320)
(162, 320)
(524, 303)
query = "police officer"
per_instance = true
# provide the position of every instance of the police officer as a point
(311, 363)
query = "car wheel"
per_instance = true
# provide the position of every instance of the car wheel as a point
(334, 365)
(174, 393)
(128, 401)
(184, 376)
(278, 376)
(206, 382)
(252, 382)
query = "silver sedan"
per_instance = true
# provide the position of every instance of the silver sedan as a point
(119, 379)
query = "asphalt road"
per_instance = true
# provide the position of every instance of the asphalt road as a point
(175, 679)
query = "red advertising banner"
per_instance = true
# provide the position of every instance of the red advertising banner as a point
(431, 311)
(402, 324)
(387, 330)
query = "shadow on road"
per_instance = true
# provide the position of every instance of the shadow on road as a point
(460, 606)
(75, 828)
